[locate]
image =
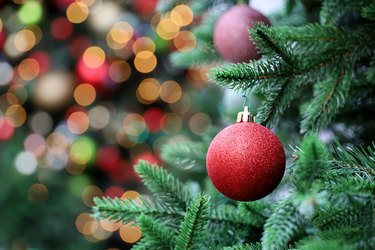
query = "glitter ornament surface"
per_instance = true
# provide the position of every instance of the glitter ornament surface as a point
(245, 161)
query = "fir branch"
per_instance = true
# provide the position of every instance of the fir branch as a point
(156, 234)
(243, 76)
(192, 229)
(237, 217)
(333, 10)
(312, 164)
(202, 55)
(285, 223)
(311, 33)
(369, 11)
(351, 185)
(269, 44)
(329, 97)
(189, 155)
(275, 103)
(163, 185)
(245, 246)
(319, 244)
(334, 218)
(359, 162)
(127, 210)
(257, 211)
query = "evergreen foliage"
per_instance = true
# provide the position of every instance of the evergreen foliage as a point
(167, 189)
(326, 200)
(192, 229)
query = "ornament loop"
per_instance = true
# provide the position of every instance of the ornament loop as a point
(245, 115)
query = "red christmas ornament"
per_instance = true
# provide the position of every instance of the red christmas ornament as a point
(231, 36)
(245, 161)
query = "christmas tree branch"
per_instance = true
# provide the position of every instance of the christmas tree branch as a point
(275, 103)
(334, 218)
(269, 44)
(332, 10)
(156, 233)
(191, 155)
(127, 210)
(192, 229)
(202, 55)
(166, 188)
(312, 164)
(285, 223)
(246, 246)
(359, 162)
(232, 215)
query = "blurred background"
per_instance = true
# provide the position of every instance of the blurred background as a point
(86, 90)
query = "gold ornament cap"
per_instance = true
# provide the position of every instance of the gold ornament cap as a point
(245, 115)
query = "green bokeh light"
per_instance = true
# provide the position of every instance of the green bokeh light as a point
(83, 150)
(30, 13)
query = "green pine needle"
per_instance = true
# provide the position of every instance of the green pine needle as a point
(188, 155)
(193, 228)
(156, 233)
(312, 164)
(284, 224)
(127, 210)
(166, 188)
(246, 246)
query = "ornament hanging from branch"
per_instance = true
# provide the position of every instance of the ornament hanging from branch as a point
(245, 161)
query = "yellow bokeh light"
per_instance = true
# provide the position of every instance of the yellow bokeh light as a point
(24, 40)
(130, 233)
(170, 91)
(121, 32)
(78, 122)
(1, 25)
(119, 71)
(28, 69)
(182, 15)
(77, 12)
(84, 94)
(145, 61)
(16, 115)
(167, 29)
(94, 57)
(148, 90)
(143, 43)
(185, 41)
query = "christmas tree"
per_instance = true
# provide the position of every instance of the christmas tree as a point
(315, 84)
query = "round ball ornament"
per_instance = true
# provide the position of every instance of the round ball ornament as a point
(245, 161)
(231, 36)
